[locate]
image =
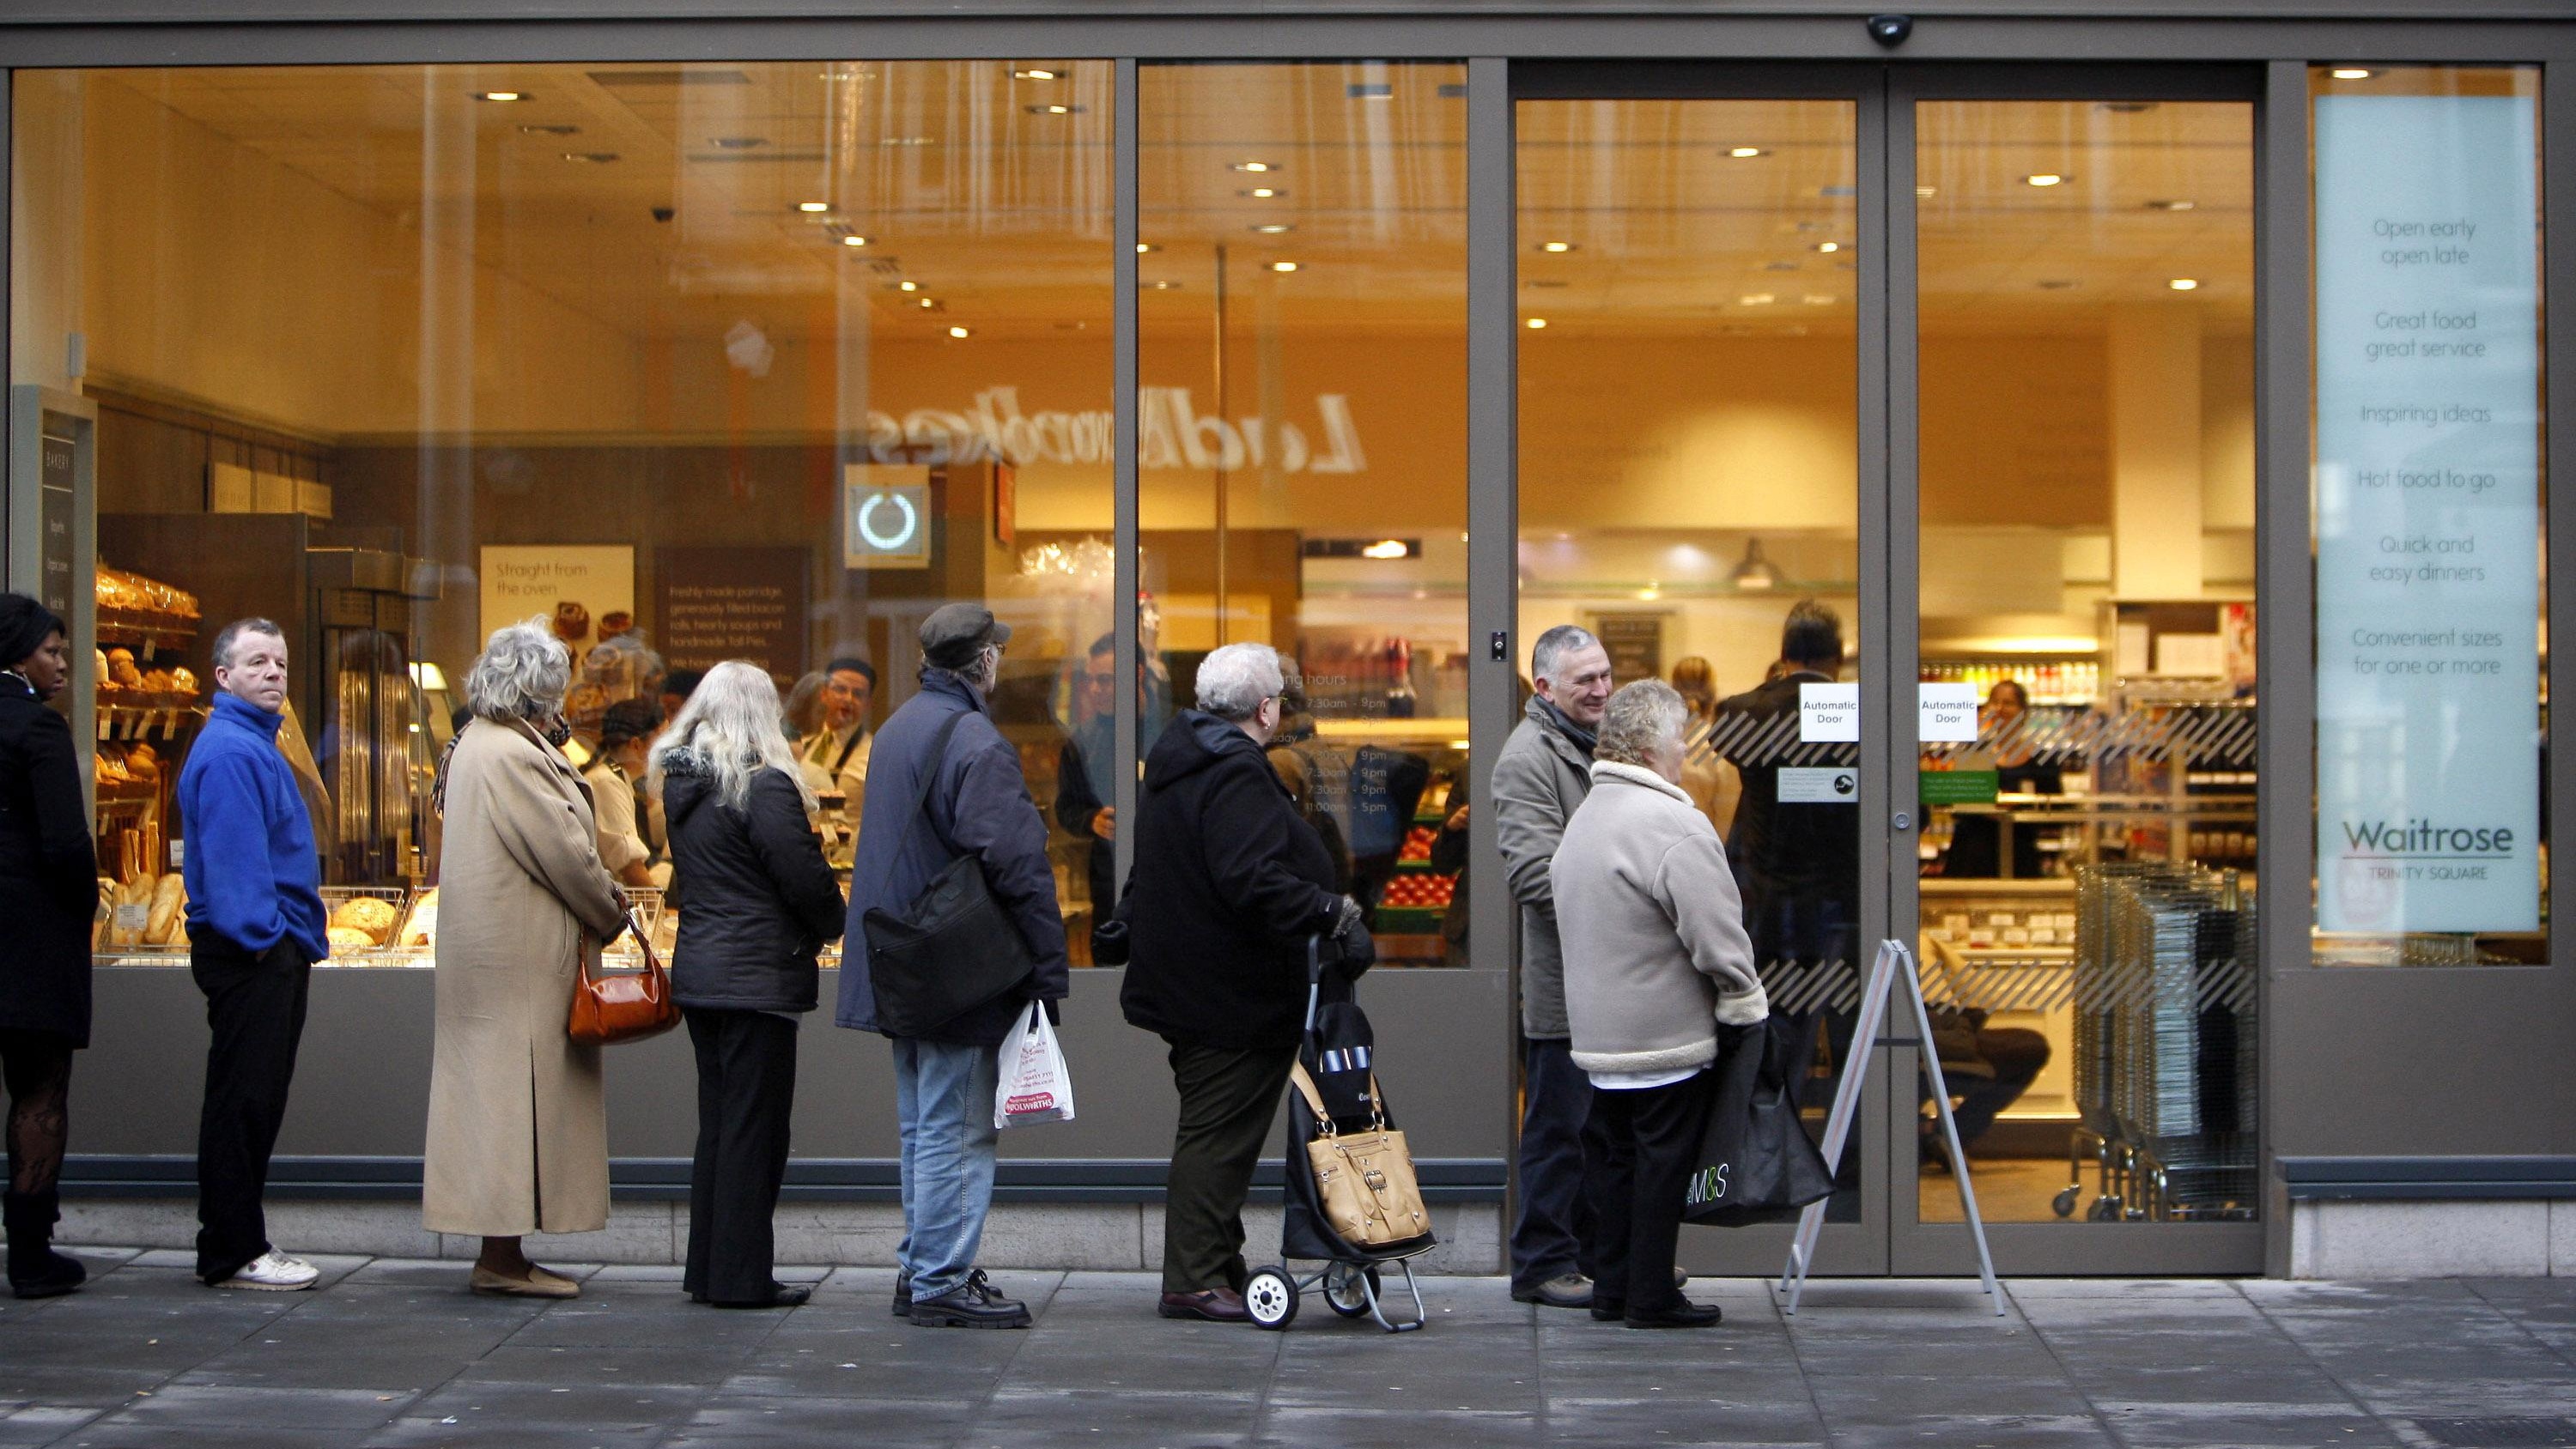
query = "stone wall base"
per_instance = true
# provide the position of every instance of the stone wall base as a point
(2505, 1238)
(1098, 1237)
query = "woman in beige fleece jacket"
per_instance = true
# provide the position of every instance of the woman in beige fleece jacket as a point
(1655, 957)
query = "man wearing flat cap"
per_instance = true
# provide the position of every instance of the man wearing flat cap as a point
(973, 802)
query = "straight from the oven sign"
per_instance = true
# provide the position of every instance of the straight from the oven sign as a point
(2428, 513)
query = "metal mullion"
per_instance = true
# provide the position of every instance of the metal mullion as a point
(1122, 603)
(9, 280)
(2284, 579)
(2558, 462)
(1890, 567)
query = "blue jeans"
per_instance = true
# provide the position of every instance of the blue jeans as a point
(1559, 1144)
(943, 1100)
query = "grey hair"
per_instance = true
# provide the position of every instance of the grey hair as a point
(1554, 645)
(734, 726)
(1234, 680)
(1641, 716)
(522, 673)
(232, 633)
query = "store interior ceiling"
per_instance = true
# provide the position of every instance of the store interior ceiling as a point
(988, 185)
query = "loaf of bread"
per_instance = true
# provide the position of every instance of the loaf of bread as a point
(347, 938)
(168, 923)
(368, 916)
(420, 932)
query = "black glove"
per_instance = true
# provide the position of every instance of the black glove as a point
(1351, 939)
(1054, 1009)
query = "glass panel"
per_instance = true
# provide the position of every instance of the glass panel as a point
(700, 362)
(2087, 647)
(2432, 703)
(1302, 455)
(1689, 480)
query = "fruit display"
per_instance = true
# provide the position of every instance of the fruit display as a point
(1417, 844)
(1418, 890)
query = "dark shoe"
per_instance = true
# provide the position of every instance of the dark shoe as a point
(35, 1269)
(1684, 1314)
(971, 1304)
(1215, 1305)
(1608, 1310)
(1565, 1290)
(902, 1294)
(781, 1295)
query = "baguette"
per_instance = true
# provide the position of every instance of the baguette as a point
(167, 898)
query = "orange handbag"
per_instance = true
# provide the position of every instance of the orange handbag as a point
(626, 1006)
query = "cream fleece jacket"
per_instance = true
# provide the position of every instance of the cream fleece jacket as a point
(1655, 949)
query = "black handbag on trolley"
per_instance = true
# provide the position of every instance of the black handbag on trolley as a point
(954, 948)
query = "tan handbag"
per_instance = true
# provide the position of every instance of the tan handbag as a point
(627, 1006)
(1363, 1179)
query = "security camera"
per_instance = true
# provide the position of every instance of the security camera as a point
(1890, 30)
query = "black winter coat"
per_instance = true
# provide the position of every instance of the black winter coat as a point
(761, 902)
(48, 870)
(1228, 884)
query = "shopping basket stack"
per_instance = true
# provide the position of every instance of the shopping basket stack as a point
(2165, 1042)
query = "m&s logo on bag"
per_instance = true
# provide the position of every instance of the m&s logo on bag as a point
(1708, 1185)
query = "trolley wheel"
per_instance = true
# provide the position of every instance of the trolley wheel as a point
(1270, 1295)
(2064, 1202)
(1343, 1293)
(2104, 1210)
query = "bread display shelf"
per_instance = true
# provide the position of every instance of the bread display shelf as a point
(134, 629)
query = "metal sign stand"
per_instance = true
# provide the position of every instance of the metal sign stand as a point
(1883, 976)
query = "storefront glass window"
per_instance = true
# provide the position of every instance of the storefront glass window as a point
(1302, 445)
(700, 362)
(2431, 585)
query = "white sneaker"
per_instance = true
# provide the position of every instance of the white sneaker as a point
(274, 1272)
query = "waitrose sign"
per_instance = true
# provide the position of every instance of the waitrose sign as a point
(2427, 487)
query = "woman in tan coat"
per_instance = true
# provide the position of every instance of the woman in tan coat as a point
(524, 901)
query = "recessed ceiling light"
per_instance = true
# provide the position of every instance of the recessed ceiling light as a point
(1163, 286)
(813, 206)
(1556, 246)
(1820, 299)
(1829, 246)
(1283, 266)
(2185, 284)
(1038, 73)
(1275, 228)
(1757, 299)
(2044, 178)
(907, 286)
(1536, 324)
(592, 158)
(959, 332)
(2173, 205)
(906, 141)
(854, 240)
(1144, 247)
(554, 130)
(1745, 153)
(1264, 193)
(1252, 166)
(2350, 73)
(929, 303)
(1056, 109)
(1927, 191)
(500, 95)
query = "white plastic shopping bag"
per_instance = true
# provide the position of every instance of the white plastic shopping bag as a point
(1034, 1086)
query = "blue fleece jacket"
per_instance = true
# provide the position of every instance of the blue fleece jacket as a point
(252, 875)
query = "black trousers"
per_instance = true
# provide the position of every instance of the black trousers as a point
(37, 1068)
(255, 1009)
(1650, 1141)
(1229, 1098)
(746, 1088)
(1553, 1234)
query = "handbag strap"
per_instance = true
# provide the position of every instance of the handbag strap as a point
(918, 809)
(643, 947)
(1324, 1123)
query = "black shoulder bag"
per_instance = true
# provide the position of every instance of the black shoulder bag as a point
(955, 947)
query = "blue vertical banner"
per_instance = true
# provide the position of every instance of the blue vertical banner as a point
(2428, 514)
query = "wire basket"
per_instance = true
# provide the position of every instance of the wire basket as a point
(383, 953)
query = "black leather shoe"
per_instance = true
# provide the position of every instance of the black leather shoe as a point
(971, 1304)
(1214, 1305)
(1684, 1314)
(902, 1294)
(1608, 1310)
(781, 1295)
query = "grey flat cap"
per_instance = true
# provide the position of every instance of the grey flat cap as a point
(953, 633)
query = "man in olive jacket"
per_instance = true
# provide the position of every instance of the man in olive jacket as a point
(1542, 774)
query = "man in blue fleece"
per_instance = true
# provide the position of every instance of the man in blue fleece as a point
(255, 928)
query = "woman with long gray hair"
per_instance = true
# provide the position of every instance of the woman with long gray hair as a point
(523, 903)
(761, 904)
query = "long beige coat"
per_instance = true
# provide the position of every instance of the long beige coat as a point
(523, 900)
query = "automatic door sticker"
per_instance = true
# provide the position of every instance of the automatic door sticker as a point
(1829, 785)
(1828, 713)
(1947, 713)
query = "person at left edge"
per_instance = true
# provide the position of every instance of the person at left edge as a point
(978, 805)
(48, 895)
(255, 928)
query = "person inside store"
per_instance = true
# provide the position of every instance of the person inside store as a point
(804, 714)
(1709, 779)
(839, 749)
(1234, 881)
(626, 731)
(761, 904)
(1086, 791)
(943, 749)
(518, 1113)
(1540, 776)
(1316, 772)
(49, 896)
(1976, 839)
(677, 686)
(255, 928)
(1655, 959)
